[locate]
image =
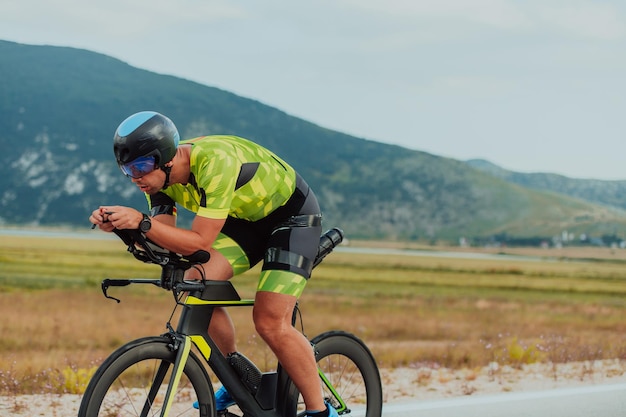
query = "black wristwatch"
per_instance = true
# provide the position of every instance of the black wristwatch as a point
(145, 224)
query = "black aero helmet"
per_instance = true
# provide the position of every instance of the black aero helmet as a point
(143, 134)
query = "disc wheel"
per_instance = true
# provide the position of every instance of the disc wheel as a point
(349, 377)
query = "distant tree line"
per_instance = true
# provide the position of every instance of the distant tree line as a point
(504, 239)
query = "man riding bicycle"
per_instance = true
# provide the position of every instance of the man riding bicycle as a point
(249, 206)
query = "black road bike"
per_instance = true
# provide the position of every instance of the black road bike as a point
(165, 375)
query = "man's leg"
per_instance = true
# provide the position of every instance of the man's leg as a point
(272, 319)
(221, 327)
(222, 331)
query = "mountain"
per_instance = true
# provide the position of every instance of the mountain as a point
(607, 193)
(60, 106)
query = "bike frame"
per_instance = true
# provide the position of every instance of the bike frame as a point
(192, 330)
(194, 323)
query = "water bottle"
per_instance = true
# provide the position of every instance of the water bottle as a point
(328, 241)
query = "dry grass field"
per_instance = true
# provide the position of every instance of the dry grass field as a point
(410, 310)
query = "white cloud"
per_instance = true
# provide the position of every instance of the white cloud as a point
(117, 18)
(467, 85)
(497, 13)
(584, 19)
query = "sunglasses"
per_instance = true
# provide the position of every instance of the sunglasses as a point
(139, 167)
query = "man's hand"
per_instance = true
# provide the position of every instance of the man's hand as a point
(122, 217)
(100, 217)
(116, 217)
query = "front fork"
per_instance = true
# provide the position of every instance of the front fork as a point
(183, 347)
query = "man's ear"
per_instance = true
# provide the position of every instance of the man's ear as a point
(170, 164)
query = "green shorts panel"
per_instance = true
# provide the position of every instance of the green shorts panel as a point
(233, 252)
(282, 282)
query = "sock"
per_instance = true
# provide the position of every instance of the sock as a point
(323, 413)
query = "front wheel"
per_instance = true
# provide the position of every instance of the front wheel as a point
(349, 377)
(133, 382)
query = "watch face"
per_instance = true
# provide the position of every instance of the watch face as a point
(145, 224)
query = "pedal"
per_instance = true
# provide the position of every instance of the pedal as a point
(226, 413)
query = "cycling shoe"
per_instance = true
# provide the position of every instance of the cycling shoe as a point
(332, 412)
(223, 400)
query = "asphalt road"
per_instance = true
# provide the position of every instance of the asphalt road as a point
(590, 401)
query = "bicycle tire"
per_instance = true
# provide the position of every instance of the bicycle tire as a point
(123, 384)
(352, 371)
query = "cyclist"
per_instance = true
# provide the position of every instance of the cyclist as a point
(249, 206)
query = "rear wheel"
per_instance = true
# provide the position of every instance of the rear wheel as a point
(349, 378)
(134, 379)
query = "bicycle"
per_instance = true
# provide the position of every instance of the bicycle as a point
(162, 375)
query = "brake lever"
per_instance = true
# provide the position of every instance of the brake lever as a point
(106, 283)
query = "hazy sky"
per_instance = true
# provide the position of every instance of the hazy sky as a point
(531, 85)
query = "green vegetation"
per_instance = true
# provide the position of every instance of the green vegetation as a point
(457, 313)
(46, 263)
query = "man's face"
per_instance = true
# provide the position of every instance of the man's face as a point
(145, 173)
(150, 183)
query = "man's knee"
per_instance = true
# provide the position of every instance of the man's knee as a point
(270, 326)
(271, 331)
(272, 313)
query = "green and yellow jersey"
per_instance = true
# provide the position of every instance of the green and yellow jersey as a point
(232, 176)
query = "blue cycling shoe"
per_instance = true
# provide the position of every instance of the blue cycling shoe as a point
(332, 412)
(223, 400)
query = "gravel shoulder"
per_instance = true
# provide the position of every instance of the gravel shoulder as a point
(403, 384)
(428, 383)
